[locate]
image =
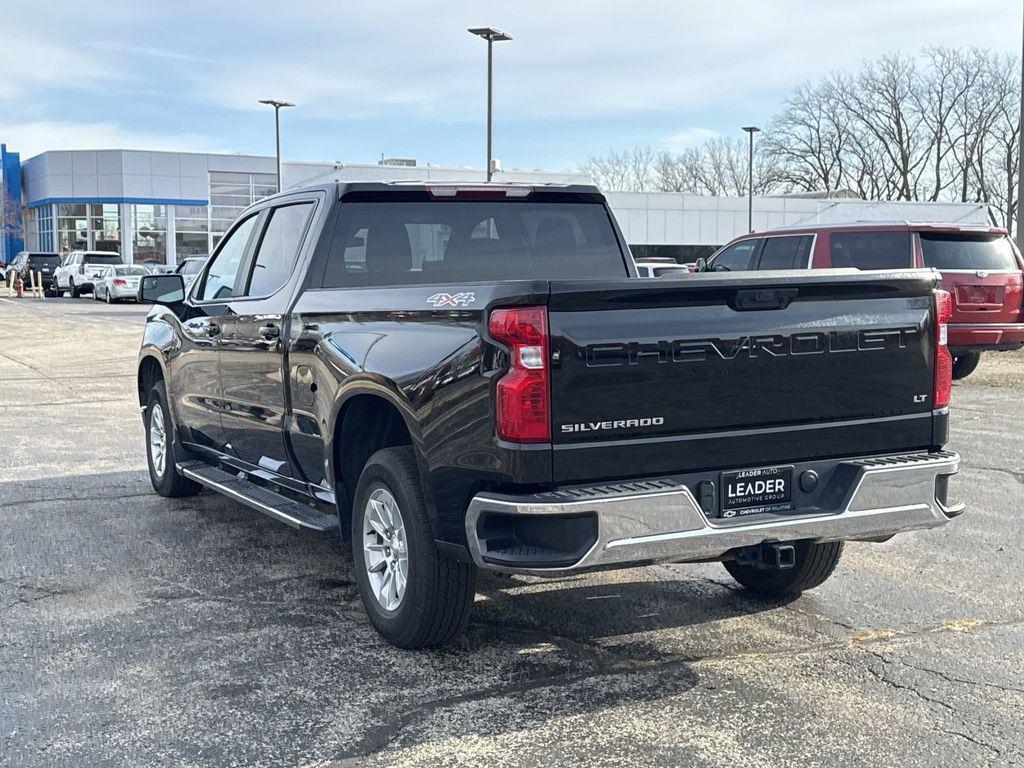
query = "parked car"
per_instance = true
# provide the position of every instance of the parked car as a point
(659, 269)
(43, 263)
(514, 401)
(190, 267)
(117, 283)
(981, 269)
(78, 270)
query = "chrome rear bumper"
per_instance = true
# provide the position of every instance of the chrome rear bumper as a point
(661, 520)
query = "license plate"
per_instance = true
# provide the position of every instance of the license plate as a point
(754, 491)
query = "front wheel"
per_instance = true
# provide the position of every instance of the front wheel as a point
(814, 563)
(162, 448)
(964, 365)
(415, 596)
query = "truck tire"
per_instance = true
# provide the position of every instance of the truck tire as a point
(424, 599)
(814, 563)
(964, 365)
(163, 449)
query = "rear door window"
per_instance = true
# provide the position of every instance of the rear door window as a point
(870, 250)
(959, 251)
(278, 248)
(737, 257)
(790, 252)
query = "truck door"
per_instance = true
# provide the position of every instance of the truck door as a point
(195, 369)
(251, 344)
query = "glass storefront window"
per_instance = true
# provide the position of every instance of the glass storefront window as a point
(88, 226)
(149, 224)
(191, 231)
(232, 193)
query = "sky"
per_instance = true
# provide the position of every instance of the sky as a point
(406, 79)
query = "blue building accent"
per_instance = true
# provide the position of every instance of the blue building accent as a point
(12, 224)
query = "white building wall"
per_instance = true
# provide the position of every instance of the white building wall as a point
(669, 218)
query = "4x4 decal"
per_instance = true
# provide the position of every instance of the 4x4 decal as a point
(452, 299)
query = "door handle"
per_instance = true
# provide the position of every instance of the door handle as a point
(203, 327)
(270, 332)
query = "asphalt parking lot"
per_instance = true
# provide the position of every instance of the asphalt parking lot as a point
(140, 631)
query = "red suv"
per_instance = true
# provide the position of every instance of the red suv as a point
(981, 268)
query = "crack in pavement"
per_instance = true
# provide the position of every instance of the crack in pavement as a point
(385, 734)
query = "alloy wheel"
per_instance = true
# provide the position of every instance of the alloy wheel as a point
(385, 549)
(157, 439)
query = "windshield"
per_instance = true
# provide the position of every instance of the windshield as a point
(131, 271)
(191, 266)
(401, 243)
(967, 251)
(101, 258)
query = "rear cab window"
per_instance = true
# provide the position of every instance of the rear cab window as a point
(870, 250)
(411, 242)
(952, 251)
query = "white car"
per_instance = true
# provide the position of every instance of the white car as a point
(660, 269)
(77, 272)
(116, 283)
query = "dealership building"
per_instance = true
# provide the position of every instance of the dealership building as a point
(159, 207)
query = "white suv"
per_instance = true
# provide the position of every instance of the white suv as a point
(77, 272)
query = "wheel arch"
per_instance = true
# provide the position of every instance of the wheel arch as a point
(150, 371)
(366, 419)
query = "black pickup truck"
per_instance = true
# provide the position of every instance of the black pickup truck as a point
(460, 377)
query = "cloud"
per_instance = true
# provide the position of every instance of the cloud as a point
(32, 138)
(690, 137)
(31, 64)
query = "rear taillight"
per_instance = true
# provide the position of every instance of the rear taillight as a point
(119, 281)
(943, 358)
(522, 397)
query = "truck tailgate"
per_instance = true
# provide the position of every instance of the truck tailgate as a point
(713, 371)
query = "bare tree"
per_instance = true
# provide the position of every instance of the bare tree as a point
(940, 126)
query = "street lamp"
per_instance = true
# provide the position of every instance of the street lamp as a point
(492, 36)
(277, 104)
(751, 130)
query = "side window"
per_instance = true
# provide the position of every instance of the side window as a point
(278, 248)
(870, 250)
(736, 257)
(220, 277)
(790, 252)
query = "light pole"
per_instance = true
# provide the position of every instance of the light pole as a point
(751, 130)
(1020, 160)
(277, 104)
(492, 36)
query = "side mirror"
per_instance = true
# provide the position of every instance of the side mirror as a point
(161, 289)
(702, 265)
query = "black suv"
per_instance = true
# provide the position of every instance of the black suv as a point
(41, 262)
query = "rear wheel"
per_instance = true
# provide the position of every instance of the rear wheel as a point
(964, 365)
(72, 291)
(815, 562)
(415, 596)
(107, 294)
(163, 450)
